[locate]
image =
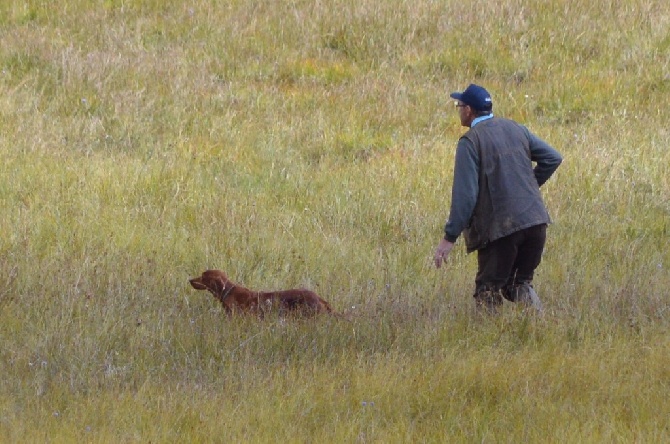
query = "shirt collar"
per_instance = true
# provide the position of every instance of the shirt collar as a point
(480, 119)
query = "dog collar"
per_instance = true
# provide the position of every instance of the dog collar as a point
(226, 293)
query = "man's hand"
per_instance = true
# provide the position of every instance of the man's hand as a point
(442, 252)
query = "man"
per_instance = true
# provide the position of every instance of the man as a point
(496, 201)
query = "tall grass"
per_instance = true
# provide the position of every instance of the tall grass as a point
(303, 143)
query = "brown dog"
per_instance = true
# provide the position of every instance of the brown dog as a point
(236, 298)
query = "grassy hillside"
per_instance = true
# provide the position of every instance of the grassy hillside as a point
(311, 143)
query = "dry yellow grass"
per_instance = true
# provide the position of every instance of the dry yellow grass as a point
(303, 143)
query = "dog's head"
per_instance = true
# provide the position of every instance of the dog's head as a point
(212, 280)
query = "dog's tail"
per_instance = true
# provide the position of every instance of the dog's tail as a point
(332, 312)
(340, 316)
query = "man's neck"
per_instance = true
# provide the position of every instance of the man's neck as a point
(476, 120)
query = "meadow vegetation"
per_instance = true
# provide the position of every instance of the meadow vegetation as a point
(310, 143)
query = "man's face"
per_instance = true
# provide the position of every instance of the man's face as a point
(465, 113)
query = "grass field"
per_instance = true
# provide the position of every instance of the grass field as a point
(311, 143)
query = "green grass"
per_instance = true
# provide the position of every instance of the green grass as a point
(302, 143)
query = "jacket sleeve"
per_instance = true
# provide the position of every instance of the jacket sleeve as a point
(546, 158)
(464, 191)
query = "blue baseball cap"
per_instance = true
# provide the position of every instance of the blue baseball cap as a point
(476, 97)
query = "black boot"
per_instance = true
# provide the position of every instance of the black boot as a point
(488, 301)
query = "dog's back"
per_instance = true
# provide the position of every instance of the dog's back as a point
(299, 299)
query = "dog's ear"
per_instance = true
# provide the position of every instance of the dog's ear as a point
(219, 282)
(215, 280)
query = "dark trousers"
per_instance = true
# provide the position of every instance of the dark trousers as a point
(510, 260)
